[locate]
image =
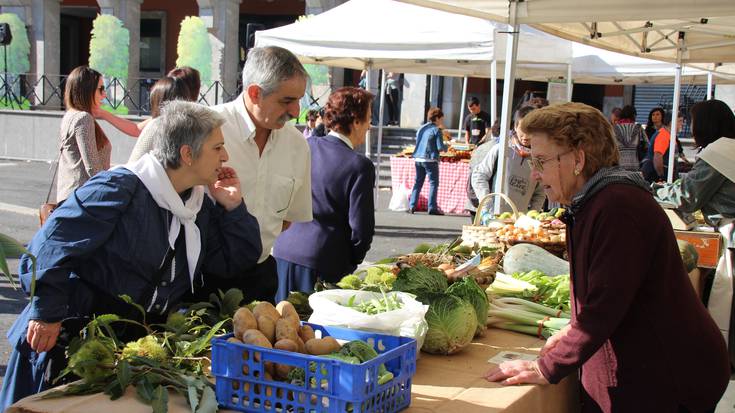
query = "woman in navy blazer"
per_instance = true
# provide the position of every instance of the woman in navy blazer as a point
(342, 181)
(429, 142)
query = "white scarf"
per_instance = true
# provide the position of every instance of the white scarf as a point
(154, 177)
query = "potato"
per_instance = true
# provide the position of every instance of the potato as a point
(286, 345)
(267, 309)
(267, 326)
(306, 333)
(301, 345)
(234, 340)
(285, 329)
(270, 369)
(256, 338)
(282, 371)
(321, 346)
(287, 309)
(242, 321)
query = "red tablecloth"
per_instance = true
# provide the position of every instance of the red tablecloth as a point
(453, 176)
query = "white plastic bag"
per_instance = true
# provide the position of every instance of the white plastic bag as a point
(399, 200)
(408, 321)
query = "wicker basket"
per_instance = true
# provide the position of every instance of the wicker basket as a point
(482, 235)
(485, 236)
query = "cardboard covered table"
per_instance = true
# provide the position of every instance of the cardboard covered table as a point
(447, 384)
(453, 178)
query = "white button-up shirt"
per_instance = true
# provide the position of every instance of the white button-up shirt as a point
(276, 185)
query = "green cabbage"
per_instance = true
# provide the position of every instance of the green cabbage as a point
(452, 324)
(468, 289)
(420, 280)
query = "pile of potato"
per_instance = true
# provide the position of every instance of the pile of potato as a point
(278, 328)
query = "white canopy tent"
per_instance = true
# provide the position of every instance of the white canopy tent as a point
(599, 66)
(679, 31)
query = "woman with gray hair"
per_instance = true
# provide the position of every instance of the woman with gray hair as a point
(145, 230)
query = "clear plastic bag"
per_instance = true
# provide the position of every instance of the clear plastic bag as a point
(330, 309)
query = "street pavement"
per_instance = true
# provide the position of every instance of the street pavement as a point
(24, 185)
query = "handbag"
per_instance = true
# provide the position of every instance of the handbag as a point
(45, 210)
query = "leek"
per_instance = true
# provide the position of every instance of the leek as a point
(526, 317)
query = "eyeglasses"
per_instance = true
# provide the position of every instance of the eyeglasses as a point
(538, 164)
(101, 89)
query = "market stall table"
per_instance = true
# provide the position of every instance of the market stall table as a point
(453, 177)
(442, 384)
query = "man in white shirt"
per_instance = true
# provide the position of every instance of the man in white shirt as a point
(270, 156)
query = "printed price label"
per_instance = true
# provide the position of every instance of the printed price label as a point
(504, 356)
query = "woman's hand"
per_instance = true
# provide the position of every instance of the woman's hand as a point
(516, 372)
(552, 341)
(42, 335)
(226, 190)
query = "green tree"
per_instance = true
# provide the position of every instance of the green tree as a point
(19, 48)
(194, 49)
(108, 49)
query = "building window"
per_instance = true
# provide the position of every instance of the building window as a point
(153, 43)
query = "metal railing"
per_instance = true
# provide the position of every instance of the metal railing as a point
(28, 91)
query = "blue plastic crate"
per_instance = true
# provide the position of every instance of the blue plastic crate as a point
(241, 384)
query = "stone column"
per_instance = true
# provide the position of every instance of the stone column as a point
(128, 11)
(42, 22)
(223, 20)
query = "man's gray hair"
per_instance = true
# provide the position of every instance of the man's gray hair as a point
(267, 67)
(182, 123)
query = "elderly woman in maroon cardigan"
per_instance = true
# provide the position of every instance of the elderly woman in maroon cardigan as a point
(642, 339)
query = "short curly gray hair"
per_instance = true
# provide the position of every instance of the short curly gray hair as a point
(268, 67)
(182, 123)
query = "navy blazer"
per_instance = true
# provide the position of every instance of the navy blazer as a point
(339, 236)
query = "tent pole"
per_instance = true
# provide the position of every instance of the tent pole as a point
(461, 109)
(569, 82)
(709, 85)
(493, 92)
(380, 136)
(675, 109)
(367, 134)
(508, 86)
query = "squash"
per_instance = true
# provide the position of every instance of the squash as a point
(526, 257)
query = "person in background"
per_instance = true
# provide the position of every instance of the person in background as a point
(122, 233)
(85, 149)
(270, 156)
(164, 90)
(477, 123)
(338, 238)
(655, 121)
(710, 187)
(191, 79)
(521, 189)
(311, 117)
(392, 82)
(429, 142)
(656, 166)
(320, 129)
(632, 141)
(615, 115)
(632, 316)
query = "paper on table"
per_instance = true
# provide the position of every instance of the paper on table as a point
(504, 356)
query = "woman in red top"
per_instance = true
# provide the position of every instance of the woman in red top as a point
(639, 334)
